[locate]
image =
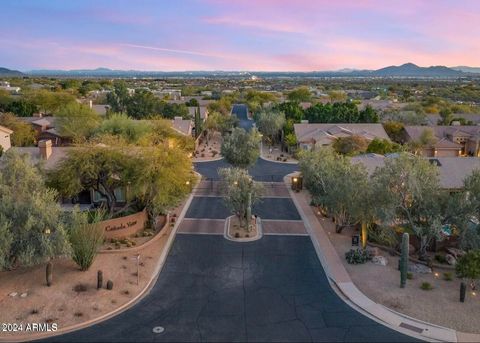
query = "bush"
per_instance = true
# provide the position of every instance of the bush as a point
(426, 286)
(410, 276)
(448, 276)
(468, 266)
(440, 258)
(85, 239)
(357, 256)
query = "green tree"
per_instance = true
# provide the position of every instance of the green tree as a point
(395, 131)
(119, 124)
(119, 97)
(240, 191)
(49, 102)
(337, 185)
(270, 123)
(383, 146)
(407, 191)
(241, 148)
(31, 228)
(292, 109)
(301, 94)
(350, 145)
(77, 122)
(99, 168)
(142, 104)
(165, 178)
(23, 133)
(446, 116)
(468, 266)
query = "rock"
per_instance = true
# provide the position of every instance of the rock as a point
(419, 268)
(380, 260)
(13, 294)
(23, 295)
(374, 251)
(455, 252)
(451, 260)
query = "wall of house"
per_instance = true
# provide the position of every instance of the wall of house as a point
(5, 141)
(447, 153)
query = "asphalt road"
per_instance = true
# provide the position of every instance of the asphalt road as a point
(266, 208)
(212, 289)
(262, 170)
(241, 111)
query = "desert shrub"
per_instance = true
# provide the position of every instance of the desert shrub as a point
(410, 276)
(468, 266)
(357, 256)
(80, 287)
(85, 238)
(426, 286)
(448, 276)
(440, 258)
(384, 236)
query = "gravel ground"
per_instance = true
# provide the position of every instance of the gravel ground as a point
(439, 306)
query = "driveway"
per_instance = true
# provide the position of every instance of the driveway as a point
(212, 289)
(241, 111)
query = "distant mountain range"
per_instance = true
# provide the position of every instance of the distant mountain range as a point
(408, 70)
(467, 69)
(10, 73)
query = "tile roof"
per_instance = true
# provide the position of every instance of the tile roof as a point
(452, 170)
(307, 132)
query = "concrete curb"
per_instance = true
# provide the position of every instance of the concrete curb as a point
(242, 240)
(210, 160)
(148, 287)
(281, 162)
(337, 273)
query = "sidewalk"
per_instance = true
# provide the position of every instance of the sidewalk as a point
(339, 277)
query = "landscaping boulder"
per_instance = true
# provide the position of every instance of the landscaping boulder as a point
(451, 260)
(380, 260)
(457, 253)
(419, 268)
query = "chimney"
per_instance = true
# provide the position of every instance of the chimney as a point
(45, 147)
(90, 104)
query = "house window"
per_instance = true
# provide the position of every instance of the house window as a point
(119, 194)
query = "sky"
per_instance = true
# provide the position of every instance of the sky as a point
(255, 35)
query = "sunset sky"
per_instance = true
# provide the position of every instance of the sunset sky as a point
(260, 35)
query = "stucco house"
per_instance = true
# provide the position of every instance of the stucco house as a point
(5, 138)
(311, 136)
(450, 141)
(452, 170)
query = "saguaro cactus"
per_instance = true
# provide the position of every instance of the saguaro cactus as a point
(99, 279)
(249, 210)
(49, 273)
(404, 260)
(463, 291)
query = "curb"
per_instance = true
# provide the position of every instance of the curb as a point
(211, 160)
(360, 302)
(148, 287)
(280, 162)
